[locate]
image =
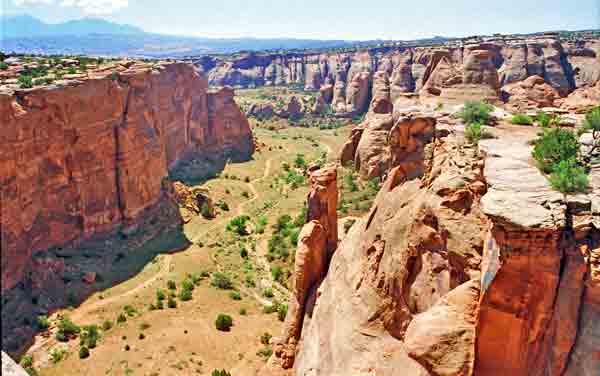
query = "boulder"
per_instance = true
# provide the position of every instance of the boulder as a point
(532, 93)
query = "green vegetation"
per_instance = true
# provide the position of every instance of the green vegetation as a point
(235, 295)
(160, 295)
(171, 285)
(25, 82)
(84, 352)
(522, 119)
(205, 211)
(89, 336)
(555, 145)
(238, 225)
(268, 292)
(476, 112)
(121, 318)
(265, 352)
(26, 361)
(185, 295)
(545, 121)
(223, 322)
(277, 273)
(592, 124)
(3, 66)
(66, 329)
(243, 311)
(171, 302)
(265, 338)
(474, 133)
(221, 281)
(282, 310)
(300, 161)
(56, 355)
(107, 325)
(221, 372)
(568, 176)
(42, 322)
(129, 310)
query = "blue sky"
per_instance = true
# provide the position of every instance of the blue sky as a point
(324, 19)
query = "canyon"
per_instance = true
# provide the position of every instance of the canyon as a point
(487, 68)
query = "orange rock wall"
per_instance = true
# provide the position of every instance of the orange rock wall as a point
(85, 157)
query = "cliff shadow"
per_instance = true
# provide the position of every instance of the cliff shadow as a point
(66, 276)
(199, 169)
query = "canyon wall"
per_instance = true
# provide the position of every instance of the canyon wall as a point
(80, 158)
(468, 263)
(449, 73)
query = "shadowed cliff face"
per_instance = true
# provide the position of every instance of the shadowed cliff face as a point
(452, 74)
(83, 158)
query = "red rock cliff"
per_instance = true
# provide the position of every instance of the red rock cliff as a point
(83, 157)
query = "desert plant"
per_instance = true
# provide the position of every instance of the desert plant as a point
(300, 161)
(3, 66)
(205, 211)
(121, 318)
(25, 82)
(84, 352)
(265, 352)
(160, 295)
(592, 124)
(185, 295)
(476, 112)
(221, 372)
(66, 329)
(522, 119)
(129, 310)
(187, 284)
(243, 311)
(107, 325)
(473, 132)
(221, 281)
(89, 336)
(171, 285)
(223, 322)
(282, 311)
(544, 120)
(555, 145)
(277, 273)
(26, 361)
(268, 292)
(568, 177)
(56, 355)
(235, 295)
(171, 302)
(42, 322)
(238, 225)
(265, 338)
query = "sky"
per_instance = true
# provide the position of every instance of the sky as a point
(324, 19)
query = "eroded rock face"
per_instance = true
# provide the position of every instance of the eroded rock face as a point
(386, 141)
(531, 93)
(88, 156)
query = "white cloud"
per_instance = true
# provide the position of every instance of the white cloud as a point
(86, 6)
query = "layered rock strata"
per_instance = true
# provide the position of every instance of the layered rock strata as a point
(445, 73)
(79, 158)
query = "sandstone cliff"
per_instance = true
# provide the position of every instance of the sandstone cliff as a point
(80, 158)
(348, 80)
(469, 265)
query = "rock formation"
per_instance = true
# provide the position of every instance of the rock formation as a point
(10, 368)
(445, 73)
(316, 244)
(83, 157)
(469, 264)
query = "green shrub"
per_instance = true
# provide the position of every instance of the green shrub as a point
(84, 352)
(141, 336)
(25, 82)
(223, 322)
(545, 121)
(592, 120)
(160, 305)
(3, 66)
(160, 295)
(522, 119)
(265, 352)
(300, 161)
(473, 132)
(555, 145)
(205, 211)
(129, 310)
(567, 177)
(243, 311)
(221, 372)
(187, 284)
(268, 292)
(185, 295)
(243, 252)
(26, 361)
(56, 355)
(107, 325)
(238, 225)
(235, 295)
(171, 285)
(89, 336)
(66, 329)
(294, 236)
(265, 338)
(221, 281)
(121, 318)
(171, 303)
(282, 311)
(277, 273)
(476, 112)
(42, 322)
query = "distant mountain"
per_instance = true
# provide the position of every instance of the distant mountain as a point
(26, 26)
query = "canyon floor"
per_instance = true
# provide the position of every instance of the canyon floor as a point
(184, 340)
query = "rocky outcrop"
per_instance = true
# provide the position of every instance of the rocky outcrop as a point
(80, 158)
(316, 244)
(444, 73)
(532, 93)
(385, 141)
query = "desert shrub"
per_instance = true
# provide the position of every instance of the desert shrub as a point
(25, 82)
(300, 161)
(222, 204)
(129, 310)
(544, 120)
(160, 295)
(42, 322)
(592, 124)
(221, 372)
(476, 112)
(223, 322)
(171, 285)
(247, 179)
(265, 352)
(56, 355)
(245, 194)
(66, 329)
(555, 145)
(84, 352)
(265, 338)
(144, 326)
(142, 336)
(205, 211)
(350, 183)
(286, 166)
(26, 361)
(238, 225)
(160, 305)
(522, 119)
(243, 252)
(294, 236)
(107, 325)
(277, 273)
(282, 311)
(243, 311)
(268, 292)
(221, 281)
(72, 70)
(261, 224)
(235, 295)
(89, 336)
(127, 347)
(250, 281)
(171, 302)
(473, 132)
(187, 284)
(114, 76)
(185, 295)
(121, 318)
(567, 177)
(3, 66)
